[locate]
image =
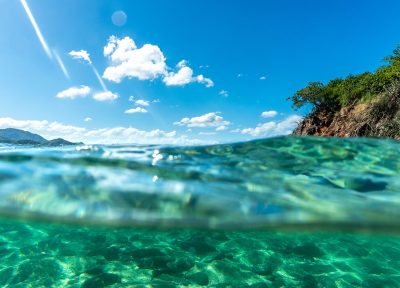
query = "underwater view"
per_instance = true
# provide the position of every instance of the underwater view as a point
(280, 212)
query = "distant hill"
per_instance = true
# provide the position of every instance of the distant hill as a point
(17, 136)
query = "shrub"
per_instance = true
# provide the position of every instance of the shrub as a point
(350, 90)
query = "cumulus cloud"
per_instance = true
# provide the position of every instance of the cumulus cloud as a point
(105, 96)
(88, 119)
(74, 92)
(273, 128)
(142, 102)
(269, 114)
(45, 128)
(114, 135)
(185, 76)
(129, 61)
(148, 62)
(211, 119)
(81, 55)
(136, 110)
(263, 78)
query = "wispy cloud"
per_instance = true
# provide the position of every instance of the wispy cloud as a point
(85, 56)
(61, 63)
(99, 78)
(223, 93)
(36, 28)
(42, 41)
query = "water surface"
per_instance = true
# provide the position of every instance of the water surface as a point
(281, 212)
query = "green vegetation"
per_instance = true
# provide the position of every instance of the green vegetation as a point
(352, 89)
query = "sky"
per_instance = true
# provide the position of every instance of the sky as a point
(179, 72)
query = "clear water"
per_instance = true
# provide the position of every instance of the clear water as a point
(281, 212)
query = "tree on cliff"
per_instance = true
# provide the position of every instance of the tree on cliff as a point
(350, 90)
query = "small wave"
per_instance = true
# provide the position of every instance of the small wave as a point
(277, 183)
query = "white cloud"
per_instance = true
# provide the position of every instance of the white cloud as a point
(136, 110)
(263, 78)
(181, 64)
(220, 128)
(45, 128)
(207, 81)
(105, 96)
(211, 119)
(273, 128)
(117, 135)
(145, 63)
(81, 54)
(207, 133)
(74, 92)
(83, 91)
(142, 102)
(269, 114)
(88, 119)
(185, 76)
(129, 61)
(182, 77)
(224, 93)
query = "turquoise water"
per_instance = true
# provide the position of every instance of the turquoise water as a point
(281, 212)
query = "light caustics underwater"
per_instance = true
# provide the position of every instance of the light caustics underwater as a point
(280, 212)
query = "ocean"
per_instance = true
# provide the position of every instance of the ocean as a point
(278, 212)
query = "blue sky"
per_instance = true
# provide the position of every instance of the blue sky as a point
(179, 72)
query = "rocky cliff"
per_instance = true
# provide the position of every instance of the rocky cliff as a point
(379, 117)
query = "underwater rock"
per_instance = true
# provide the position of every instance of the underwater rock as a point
(308, 250)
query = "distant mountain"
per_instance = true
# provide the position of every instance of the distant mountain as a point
(17, 136)
(60, 142)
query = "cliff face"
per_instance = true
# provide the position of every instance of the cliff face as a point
(376, 118)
